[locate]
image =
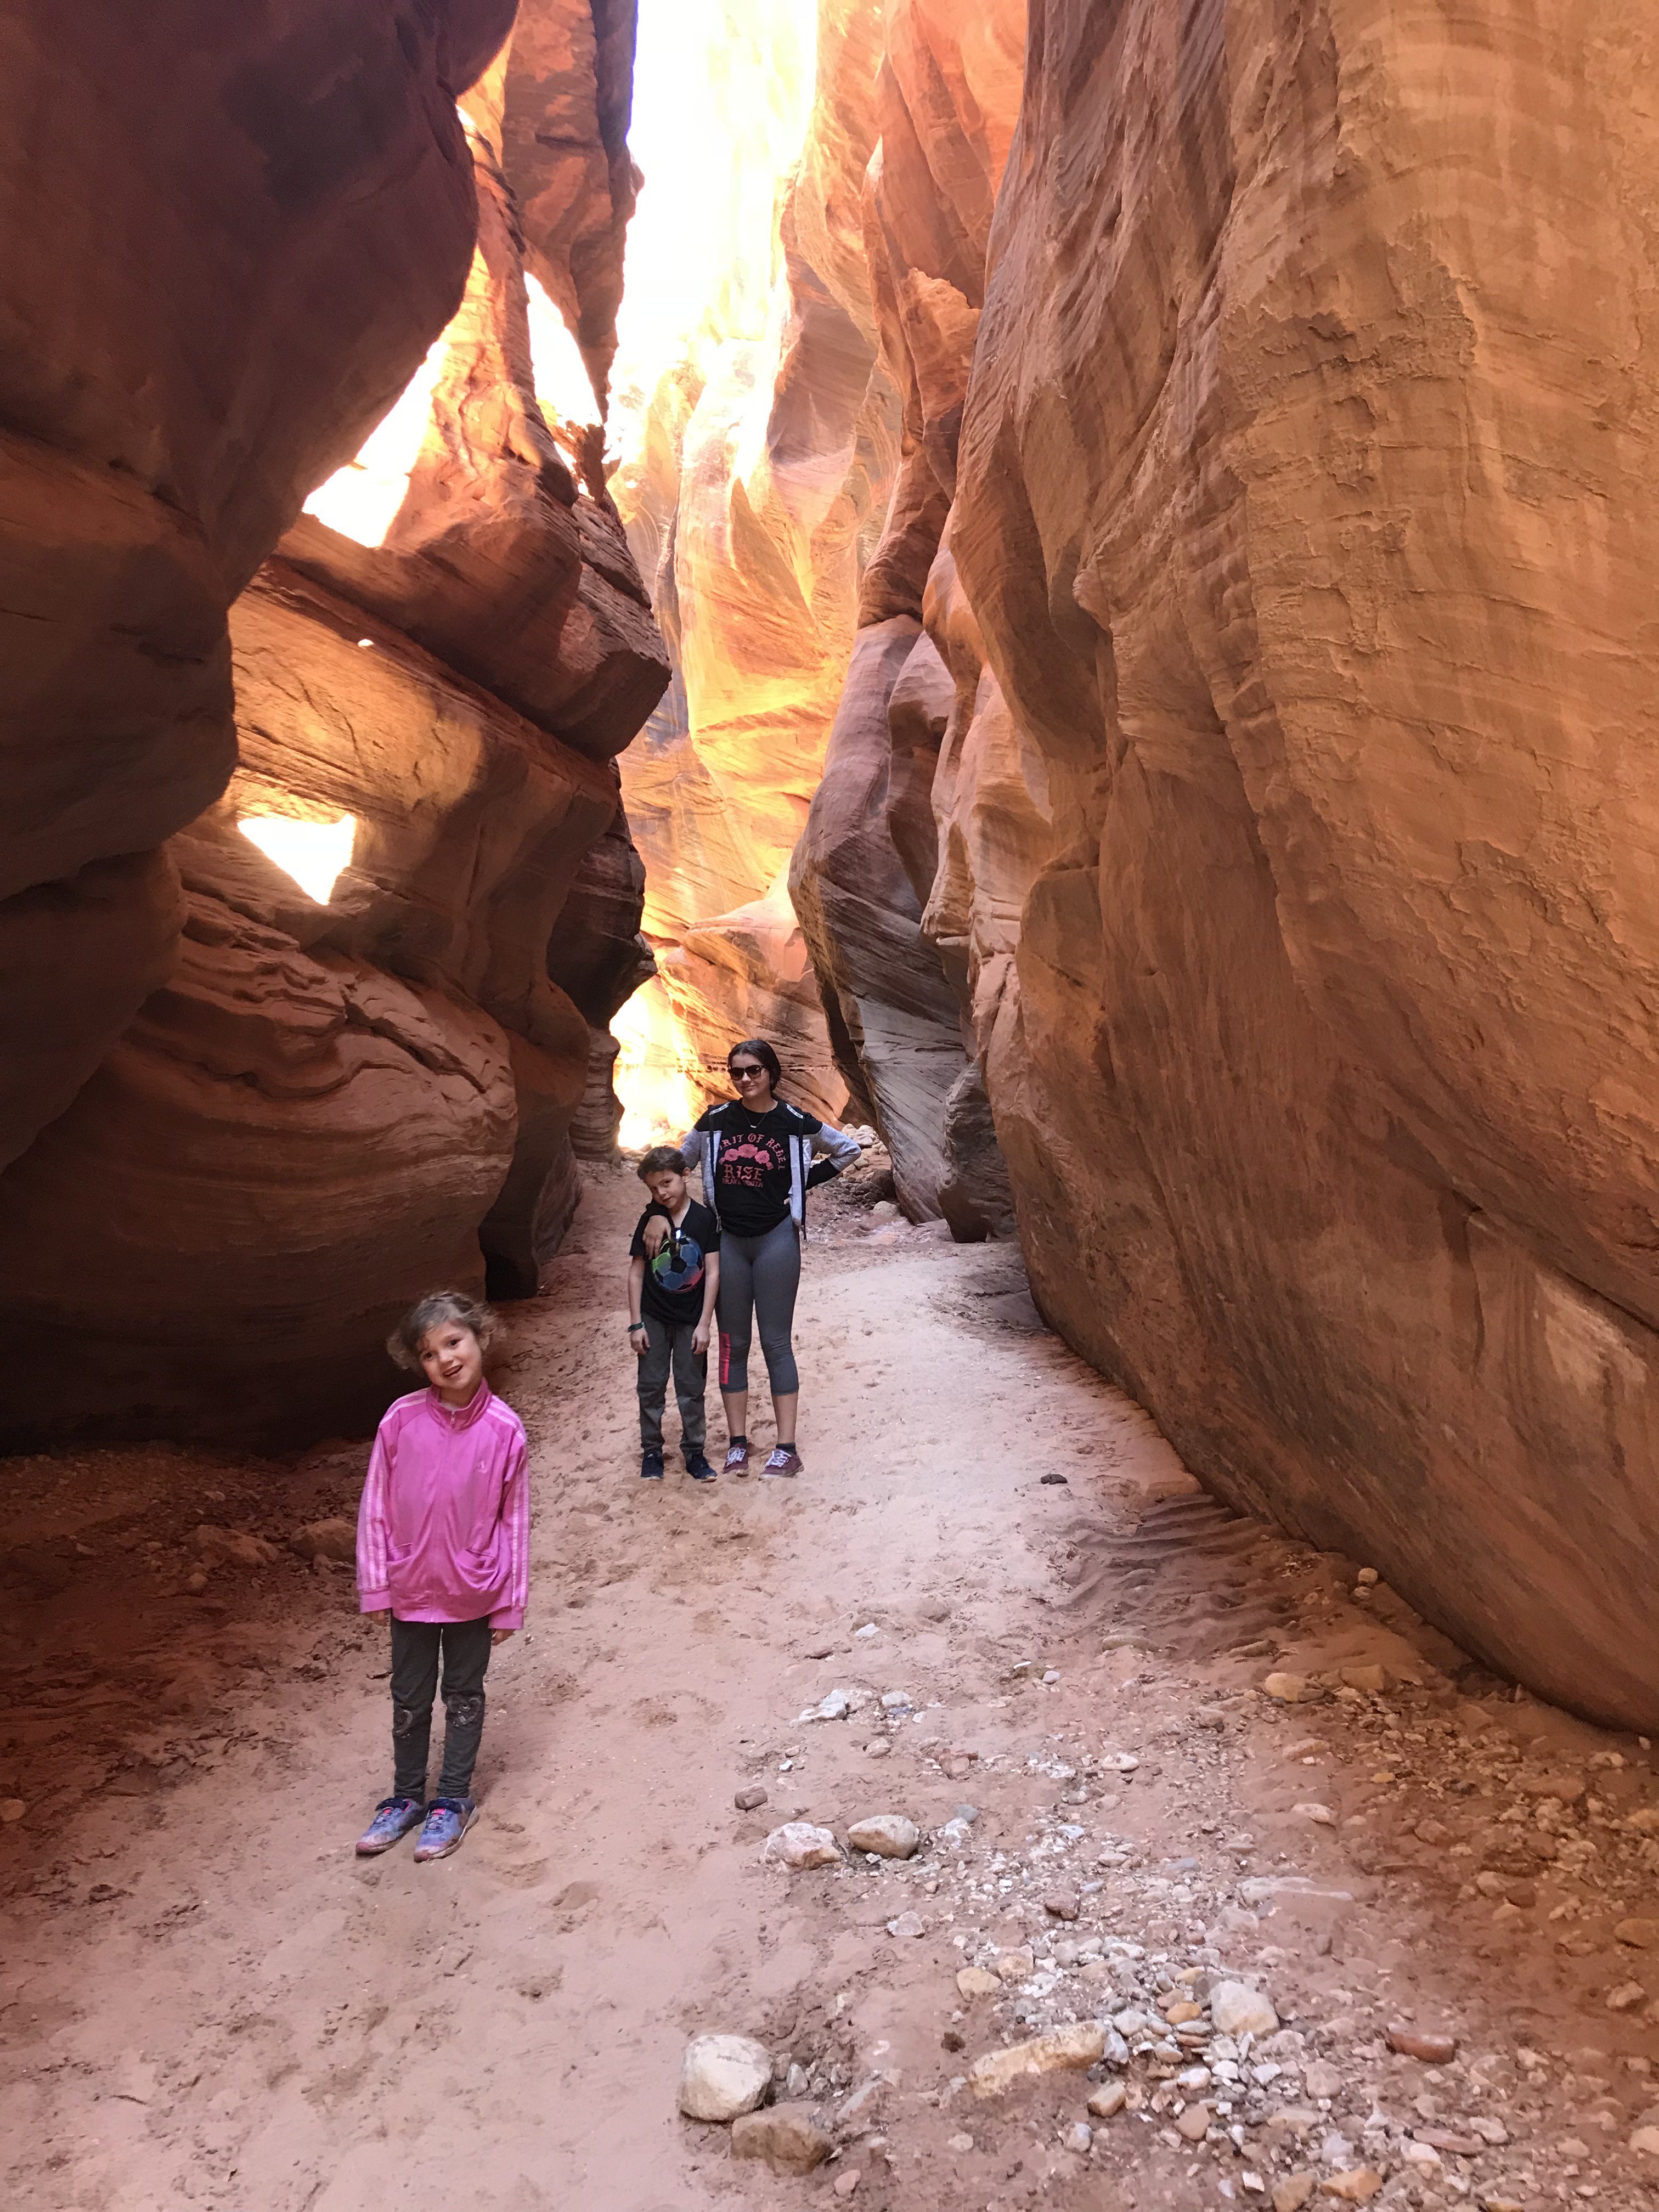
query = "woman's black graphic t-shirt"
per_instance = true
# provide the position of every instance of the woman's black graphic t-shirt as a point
(752, 1175)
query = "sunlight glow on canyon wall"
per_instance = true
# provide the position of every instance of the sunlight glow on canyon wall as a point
(756, 436)
(722, 96)
(361, 501)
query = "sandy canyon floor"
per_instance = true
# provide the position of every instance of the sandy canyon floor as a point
(206, 1999)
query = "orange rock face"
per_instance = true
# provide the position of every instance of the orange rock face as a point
(192, 338)
(410, 906)
(1300, 502)
(564, 89)
(899, 1000)
(763, 470)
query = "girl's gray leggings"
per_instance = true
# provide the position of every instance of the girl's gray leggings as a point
(759, 1277)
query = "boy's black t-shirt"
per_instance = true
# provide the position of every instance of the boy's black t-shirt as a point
(672, 1289)
(752, 1175)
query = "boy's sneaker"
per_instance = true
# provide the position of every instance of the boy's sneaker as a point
(447, 1820)
(698, 1467)
(393, 1819)
(737, 1459)
(785, 1460)
(651, 1467)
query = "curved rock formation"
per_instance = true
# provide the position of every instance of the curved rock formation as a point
(948, 91)
(225, 340)
(1306, 525)
(765, 459)
(409, 913)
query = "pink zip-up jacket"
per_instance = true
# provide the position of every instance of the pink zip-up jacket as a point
(443, 1529)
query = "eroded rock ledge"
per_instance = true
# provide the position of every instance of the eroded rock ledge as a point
(251, 1116)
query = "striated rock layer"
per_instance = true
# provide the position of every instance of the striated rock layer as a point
(189, 337)
(899, 1008)
(766, 463)
(1301, 502)
(359, 1073)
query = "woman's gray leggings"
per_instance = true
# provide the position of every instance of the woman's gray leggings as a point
(759, 1277)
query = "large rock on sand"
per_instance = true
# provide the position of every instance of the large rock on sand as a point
(721, 2075)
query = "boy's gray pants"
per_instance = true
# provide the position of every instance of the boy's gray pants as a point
(668, 1346)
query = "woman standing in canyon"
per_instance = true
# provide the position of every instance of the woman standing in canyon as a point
(756, 1154)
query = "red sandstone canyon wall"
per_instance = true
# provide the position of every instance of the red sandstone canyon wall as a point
(762, 470)
(788, 497)
(250, 1117)
(947, 92)
(1301, 509)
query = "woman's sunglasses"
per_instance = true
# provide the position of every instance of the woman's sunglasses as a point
(741, 1070)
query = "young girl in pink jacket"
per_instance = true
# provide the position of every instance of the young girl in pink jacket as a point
(443, 1546)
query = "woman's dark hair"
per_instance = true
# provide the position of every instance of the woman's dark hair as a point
(757, 1049)
(405, 1341)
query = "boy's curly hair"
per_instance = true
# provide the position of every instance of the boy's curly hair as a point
(661, 1159)
(431, 1312)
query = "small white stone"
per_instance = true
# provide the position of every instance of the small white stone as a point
(889, 1835)
(1289, 1689)
(1079, 2047)
(1078, 2138)
(798, 1845)
(1236, 2010)
(722, 2076)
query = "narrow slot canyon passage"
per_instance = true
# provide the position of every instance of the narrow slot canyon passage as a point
(1079, 574)
(208, 2000)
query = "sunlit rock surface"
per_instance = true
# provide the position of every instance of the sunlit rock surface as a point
(411, 901)
(1302, 499)
(764, 459)
(899, 1003)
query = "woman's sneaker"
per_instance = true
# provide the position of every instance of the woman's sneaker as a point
(393, 1819)
(737, 1459)
(785, 1460)
(698, 1467)
(446, 1822)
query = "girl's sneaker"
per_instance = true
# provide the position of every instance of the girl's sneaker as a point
(447, 1820)
(393, 1819)
(737, 1459)
(785, 1460)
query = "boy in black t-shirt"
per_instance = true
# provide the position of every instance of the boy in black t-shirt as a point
(670, 1311)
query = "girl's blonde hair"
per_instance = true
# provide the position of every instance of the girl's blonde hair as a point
(433, 1310)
